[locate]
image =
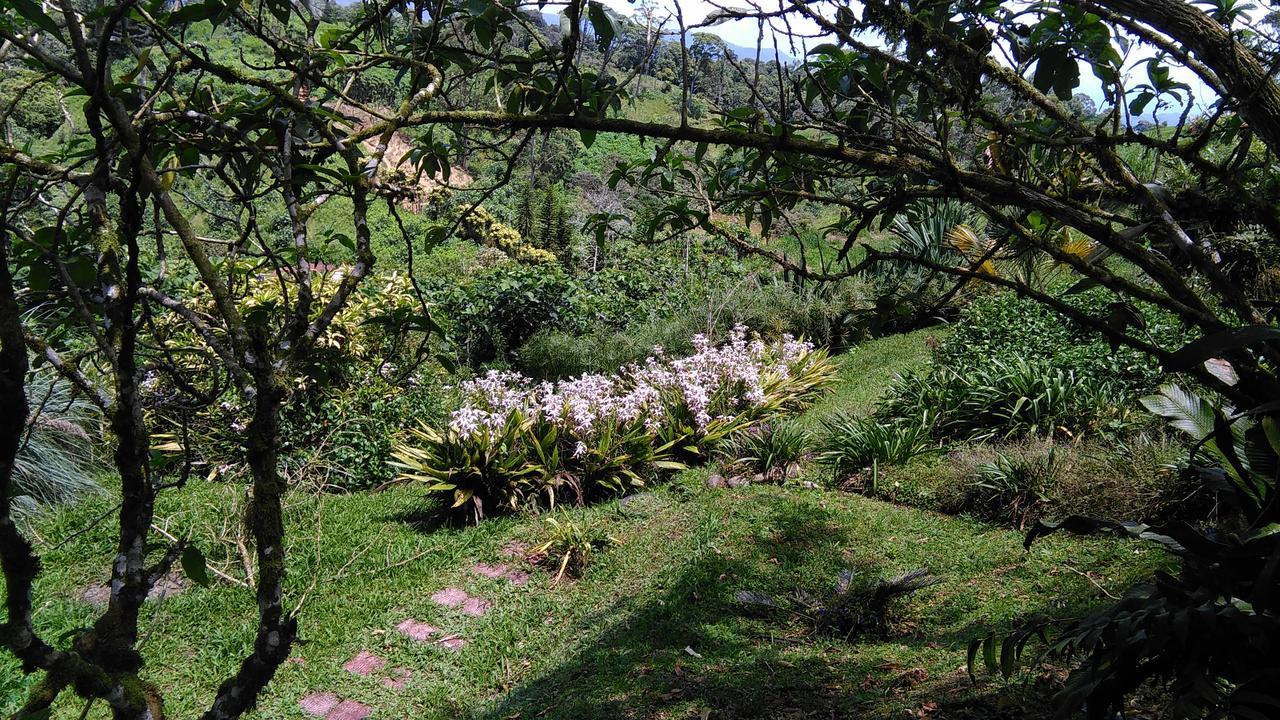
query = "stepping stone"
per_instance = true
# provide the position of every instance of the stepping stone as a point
(475, 607)
(400, 677)
(319, 704)
(364, 664)
(452, 642)
(450, 597)
(515, 550)
(349, 710)
(490, 571)
(415, 630)
(515, 577)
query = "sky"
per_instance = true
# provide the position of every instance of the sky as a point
(745, 33)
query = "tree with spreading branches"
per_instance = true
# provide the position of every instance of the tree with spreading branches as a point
(890, 102)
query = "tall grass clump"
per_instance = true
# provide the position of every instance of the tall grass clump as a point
(851, 444)
(55, 460)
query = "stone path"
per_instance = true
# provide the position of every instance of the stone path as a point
(366, 664)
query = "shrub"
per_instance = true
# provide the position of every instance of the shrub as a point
(492, 313)
(1205, 633)
(341, 440)
(599, 435)
(1010, 399)
(570, 546)
(1007, 328)
(850, 444)
(490, 469)
(921, 230)
(1015, 486)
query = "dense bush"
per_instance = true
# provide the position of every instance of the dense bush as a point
(1010, 398)
(341, 440)
(614, 329)
(1013, 367)
(1006, 327)
(514, 441)
(368, 362)
(491, 313)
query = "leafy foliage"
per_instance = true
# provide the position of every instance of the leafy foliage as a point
(513, 442)
(772, 450)
(1009, 399)
(490, 471)
(570, 545)
(850, 443)
(1014, 487)
(1207, 634)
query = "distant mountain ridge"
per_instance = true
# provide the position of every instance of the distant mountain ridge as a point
(742, 52)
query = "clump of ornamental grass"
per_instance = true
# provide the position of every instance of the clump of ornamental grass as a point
(514, 441)
(772, 451)
(55, 459)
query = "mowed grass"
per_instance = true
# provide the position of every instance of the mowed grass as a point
(867, 371)
(651, 631)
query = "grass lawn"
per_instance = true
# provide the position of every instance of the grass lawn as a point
(652, 629)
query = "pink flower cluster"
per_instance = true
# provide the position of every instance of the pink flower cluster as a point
(717, 381)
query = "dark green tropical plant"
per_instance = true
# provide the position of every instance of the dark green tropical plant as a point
(1208, 634)
(1014, 486)
(772, 450)
(850, 444)
(491, 471)
(855, 606)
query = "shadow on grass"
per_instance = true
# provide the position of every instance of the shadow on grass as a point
(688, 648)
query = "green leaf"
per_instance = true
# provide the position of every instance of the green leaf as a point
(989, 653)
(1139, 103)
(602, 23)
(1183, 410)
(195, 565)
(1053, 61)
(195, 12)
(974, 646)
(32, 12)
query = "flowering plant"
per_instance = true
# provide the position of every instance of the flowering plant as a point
(598, 435)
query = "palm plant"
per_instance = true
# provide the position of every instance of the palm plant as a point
(55, 461)
(856, 605)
